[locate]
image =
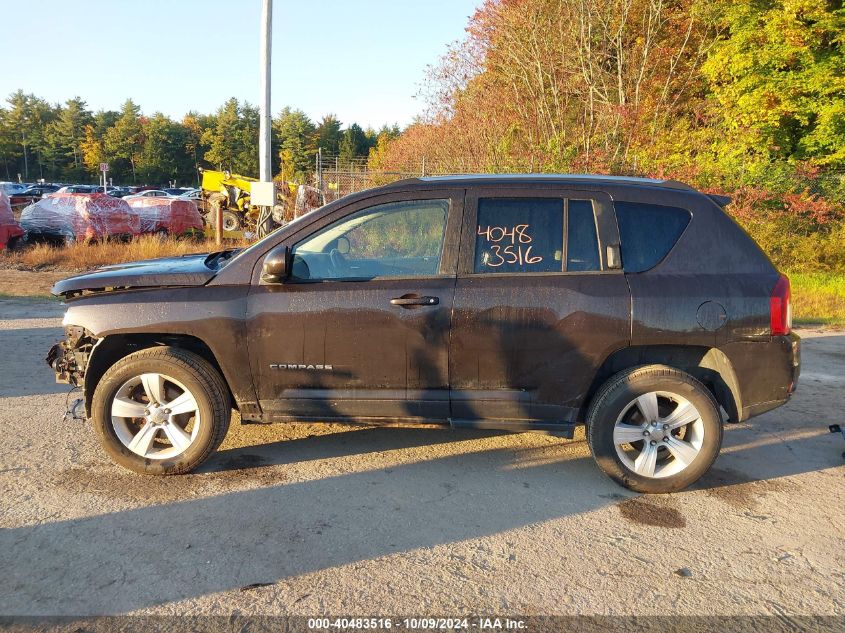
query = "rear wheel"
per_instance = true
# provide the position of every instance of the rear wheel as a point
(654, 429)
(161, 411)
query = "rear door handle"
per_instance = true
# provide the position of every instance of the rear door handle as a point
(407, 301)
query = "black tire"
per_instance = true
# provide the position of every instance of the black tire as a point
(231, 222)
(617, 394)
(194, 372)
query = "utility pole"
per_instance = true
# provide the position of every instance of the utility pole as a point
(264, 149)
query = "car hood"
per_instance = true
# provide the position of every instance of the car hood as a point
(189, 270)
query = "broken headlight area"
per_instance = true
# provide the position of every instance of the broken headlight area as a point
(70, 357)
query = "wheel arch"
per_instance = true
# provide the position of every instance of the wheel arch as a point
(112, 348)
(709, 365)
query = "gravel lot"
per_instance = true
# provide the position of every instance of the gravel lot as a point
(312, 519)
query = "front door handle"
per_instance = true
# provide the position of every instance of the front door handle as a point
(408, 301)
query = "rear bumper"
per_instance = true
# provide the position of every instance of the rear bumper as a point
(768, 373)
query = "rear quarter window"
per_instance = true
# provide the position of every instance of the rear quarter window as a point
(648, 232)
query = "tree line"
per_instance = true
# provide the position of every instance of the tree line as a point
(67, 142)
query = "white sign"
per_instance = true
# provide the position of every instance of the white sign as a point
(262, 194)
(104, 167)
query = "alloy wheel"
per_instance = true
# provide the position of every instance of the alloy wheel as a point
(155, 416)
(658, 434)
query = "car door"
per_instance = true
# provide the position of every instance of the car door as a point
(540, 302)
(361, 327)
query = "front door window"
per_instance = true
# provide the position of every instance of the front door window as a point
(396, 239)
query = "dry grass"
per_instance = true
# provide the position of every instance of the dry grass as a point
(80, 256)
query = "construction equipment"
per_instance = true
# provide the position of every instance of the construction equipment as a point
(231, 194)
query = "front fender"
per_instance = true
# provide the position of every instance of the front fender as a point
(128, 320)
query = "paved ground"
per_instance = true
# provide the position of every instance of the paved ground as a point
(350, 520)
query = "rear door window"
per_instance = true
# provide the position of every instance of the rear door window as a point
(648, 232)
(526, 235)
(519, 235)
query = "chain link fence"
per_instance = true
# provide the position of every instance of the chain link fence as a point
(337, 177)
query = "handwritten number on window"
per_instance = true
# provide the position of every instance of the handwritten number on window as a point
(509, 245)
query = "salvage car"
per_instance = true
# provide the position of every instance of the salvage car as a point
(67, 218)
(525, 303)
(167, 216)
(10, 231)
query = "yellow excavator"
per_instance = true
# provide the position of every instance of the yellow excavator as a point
(231, 193)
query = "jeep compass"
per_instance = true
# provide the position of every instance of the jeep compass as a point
(524, 303)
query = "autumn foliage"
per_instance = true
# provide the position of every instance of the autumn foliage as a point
(732, 96)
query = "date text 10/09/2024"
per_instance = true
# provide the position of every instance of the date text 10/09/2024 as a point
(418, 624)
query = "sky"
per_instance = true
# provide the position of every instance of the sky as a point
(363, 60)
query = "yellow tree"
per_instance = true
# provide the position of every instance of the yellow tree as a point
(92, 150)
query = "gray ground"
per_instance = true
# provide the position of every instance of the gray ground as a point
(350, 520)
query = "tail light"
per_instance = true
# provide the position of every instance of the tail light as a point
(780, 310)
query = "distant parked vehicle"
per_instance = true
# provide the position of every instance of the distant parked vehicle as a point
(10, 230)
(141, 188)
(176, 191)
(80, 189)
(31, 194)
(150, 193)
(72, 217)
(12, 188)
(192, 194)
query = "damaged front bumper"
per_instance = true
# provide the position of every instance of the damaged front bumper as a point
(69, 358)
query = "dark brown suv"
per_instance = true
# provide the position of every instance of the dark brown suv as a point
(525, 303)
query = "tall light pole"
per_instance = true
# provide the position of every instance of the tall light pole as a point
(264, 150)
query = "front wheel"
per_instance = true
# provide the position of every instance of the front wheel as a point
(654, 429)
(161, 411)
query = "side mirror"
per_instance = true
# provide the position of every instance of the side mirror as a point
(275, 267)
